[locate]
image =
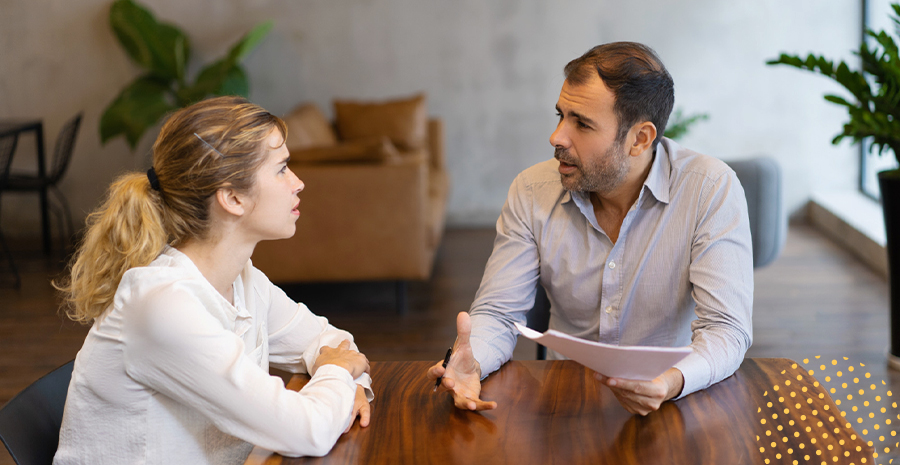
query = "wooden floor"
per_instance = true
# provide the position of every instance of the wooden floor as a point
(814, 300)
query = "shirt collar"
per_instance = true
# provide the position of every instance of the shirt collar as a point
(237, 313)
(660, 170)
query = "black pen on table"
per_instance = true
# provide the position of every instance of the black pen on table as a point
(446, 360)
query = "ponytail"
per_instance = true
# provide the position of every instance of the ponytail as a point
(126, 231)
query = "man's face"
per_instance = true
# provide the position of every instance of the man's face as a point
(590, 158)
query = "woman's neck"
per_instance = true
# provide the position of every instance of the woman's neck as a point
(220, 262)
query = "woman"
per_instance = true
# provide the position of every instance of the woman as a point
(175, 366)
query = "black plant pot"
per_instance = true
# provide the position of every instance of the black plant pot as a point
(889, 182)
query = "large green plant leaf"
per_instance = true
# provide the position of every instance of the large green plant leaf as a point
(209, 79)
(158, 47)
(219, 78)
(137, 108)
(243, 47)
(679, 124)
(235, 82)
(208, 82)
(225, 76)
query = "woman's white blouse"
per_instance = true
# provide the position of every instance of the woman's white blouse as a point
(173, 373)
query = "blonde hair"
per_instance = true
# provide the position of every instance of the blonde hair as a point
(202, 148)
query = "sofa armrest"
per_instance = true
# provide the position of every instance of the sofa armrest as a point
(436, 143)
(358, 221)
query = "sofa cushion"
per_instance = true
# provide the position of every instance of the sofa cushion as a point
(308, 127)
(404, 121)
(370, 149)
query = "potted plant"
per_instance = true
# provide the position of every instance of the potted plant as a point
(163, 51)
(875, 115)
(679, 123)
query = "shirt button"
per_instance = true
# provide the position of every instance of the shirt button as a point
(608, 309)
(612, 265)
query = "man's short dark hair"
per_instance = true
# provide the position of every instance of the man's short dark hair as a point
(642, 87)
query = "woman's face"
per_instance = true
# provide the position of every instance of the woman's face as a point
(275, 204)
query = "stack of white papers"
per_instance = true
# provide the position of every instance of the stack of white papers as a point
(626, 362)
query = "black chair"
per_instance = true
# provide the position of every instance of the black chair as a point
(538, 318)
(62, 154)
(761, 179)
(8, 144)
(30, 422)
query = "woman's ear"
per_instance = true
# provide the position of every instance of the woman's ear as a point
(231, 201)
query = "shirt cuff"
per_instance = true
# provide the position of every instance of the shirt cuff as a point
(485, 356)
(696, 372)
(334, 372)
(365, 381)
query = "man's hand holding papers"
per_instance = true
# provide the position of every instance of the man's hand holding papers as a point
(643, 397)
(642, 378)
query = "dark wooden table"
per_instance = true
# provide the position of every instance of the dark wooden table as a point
(555, 412)
(36, 126)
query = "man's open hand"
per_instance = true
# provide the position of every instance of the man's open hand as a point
(462, 377)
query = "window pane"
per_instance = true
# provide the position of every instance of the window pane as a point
(872, 164)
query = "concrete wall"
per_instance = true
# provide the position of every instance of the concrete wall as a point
(491, 69)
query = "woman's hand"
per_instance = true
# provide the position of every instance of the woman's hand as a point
(342, 356)
(361, 408)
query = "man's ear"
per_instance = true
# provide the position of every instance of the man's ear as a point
(643, 135)
(231, 201)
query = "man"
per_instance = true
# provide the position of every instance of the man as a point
(637, 241)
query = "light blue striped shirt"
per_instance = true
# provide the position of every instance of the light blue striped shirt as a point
(680, 273)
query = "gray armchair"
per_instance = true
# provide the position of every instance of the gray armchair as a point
(761, 179)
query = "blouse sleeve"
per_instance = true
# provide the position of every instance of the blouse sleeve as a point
(296, 335)
(174, 346)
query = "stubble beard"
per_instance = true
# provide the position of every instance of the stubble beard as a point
(602, 175)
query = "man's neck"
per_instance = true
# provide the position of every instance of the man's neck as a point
(620, 200)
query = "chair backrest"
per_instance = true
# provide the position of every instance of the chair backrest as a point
(30, 422)
(538, 318)
(761, 179)
(7, 149)
(62, 151)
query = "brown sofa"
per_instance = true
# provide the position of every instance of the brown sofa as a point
(374, 199)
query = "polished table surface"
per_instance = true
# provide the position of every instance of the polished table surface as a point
(769, 411)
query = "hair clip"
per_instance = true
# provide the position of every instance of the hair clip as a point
(209, 145)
